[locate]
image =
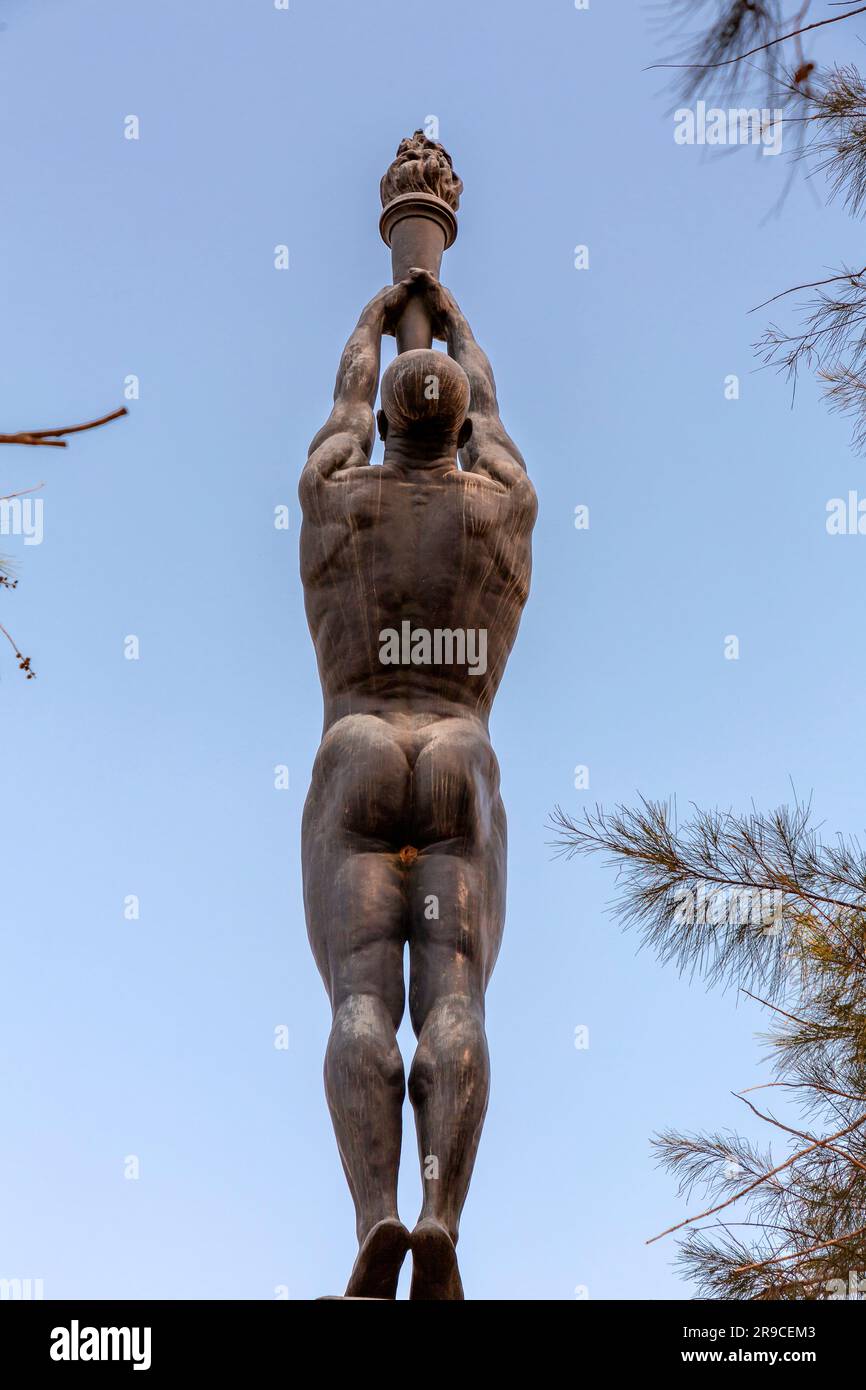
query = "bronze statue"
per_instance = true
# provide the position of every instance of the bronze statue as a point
(415, 575)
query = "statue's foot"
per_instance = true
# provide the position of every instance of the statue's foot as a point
(434, 1263)
(377, 1268)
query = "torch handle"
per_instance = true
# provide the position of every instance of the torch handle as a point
(415, 241)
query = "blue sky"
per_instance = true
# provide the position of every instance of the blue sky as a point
(154, 777)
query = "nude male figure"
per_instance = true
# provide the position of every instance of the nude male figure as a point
(404, 839)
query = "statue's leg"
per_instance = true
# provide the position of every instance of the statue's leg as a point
(355, 904)
(457, 901)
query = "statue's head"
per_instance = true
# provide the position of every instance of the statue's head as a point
(425, 398)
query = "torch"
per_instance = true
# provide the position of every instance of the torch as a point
(420, 195)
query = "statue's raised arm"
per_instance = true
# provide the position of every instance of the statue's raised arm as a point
(490, 448)
(346, 438)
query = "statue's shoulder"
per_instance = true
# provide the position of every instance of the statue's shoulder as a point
(526, 499)
(345, 491)
(512, 475)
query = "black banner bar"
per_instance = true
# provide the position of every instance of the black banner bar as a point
(152, 1339)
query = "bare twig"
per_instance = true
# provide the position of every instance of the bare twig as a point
(852, 275)
(762, 47)
(52, 437)
(23, 493)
